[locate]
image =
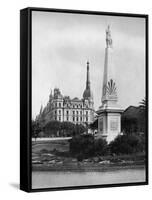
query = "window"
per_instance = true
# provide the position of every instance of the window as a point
(67, 119)
(86, 118)
(55, 118)
(60, 105)
(73, 119)
(56, 104)
(77, 106)
(77, 112)
(81, 119)
(67, 112)
(73, 112)
(81, 112)
(59, 111)
(59, 118)
(77, 119)
(55, 112)
(86, 112)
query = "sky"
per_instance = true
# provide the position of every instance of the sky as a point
(62, 43)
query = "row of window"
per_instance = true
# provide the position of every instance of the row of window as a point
(74, 106)
(74, 112)
(74, 119)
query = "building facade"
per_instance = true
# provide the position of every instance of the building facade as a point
(63, 108)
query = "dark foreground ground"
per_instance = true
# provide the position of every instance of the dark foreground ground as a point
(54, 156)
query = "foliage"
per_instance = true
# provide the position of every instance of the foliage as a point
(85, 146)
(57, 128)
(36, 129)
(127, 144)
(101, 147)
(82, 145)
(143, 103)
(52, 128)
(133, 119)
(94, 125)
(129, 125)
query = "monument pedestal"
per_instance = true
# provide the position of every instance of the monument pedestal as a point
(109, 123)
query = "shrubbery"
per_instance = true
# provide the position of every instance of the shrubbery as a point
(85, 146)
(82, 145)
(127, 144)
(57, 128)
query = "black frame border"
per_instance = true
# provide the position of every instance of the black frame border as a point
(26, 97)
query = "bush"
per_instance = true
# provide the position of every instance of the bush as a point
(100, 147)
(127, 144)
(85, 146)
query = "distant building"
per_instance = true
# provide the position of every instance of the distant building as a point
(63, 108)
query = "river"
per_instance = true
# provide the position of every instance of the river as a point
(46, 179)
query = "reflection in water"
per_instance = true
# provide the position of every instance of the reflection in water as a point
(45, 179)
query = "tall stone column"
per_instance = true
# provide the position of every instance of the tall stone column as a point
(109, 113)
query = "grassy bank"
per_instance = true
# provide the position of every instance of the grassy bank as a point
(55, 156)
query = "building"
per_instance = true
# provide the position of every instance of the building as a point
(63, 108)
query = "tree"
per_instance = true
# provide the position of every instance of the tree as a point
(94, 125)
(100, 147)
(52, 128)
(127, 144)
(36, 129)
(82, 146)
(67, 128)
(129, 125)
(79, 129)
(142, 116)
(85, 146)
(133, 119)
(143, 103)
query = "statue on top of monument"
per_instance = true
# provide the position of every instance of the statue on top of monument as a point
(108, 37)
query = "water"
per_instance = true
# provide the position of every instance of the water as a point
(46, 179)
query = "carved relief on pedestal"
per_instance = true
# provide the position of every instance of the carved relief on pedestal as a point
(114, 124)
(110, 90)
(101, 124)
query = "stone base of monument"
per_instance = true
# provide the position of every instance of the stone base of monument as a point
(109, 123)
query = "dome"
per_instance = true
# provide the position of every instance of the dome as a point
(87, 94)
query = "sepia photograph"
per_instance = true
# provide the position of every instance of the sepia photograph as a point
(89, 99)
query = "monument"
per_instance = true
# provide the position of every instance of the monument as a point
(109, 113)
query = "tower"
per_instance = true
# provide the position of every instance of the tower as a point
(88, 105)
(87, 94)
(109, 113)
